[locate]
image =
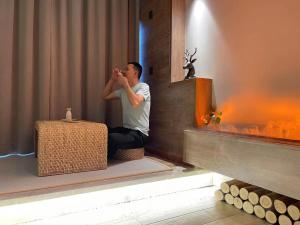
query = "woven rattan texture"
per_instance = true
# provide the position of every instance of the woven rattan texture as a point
(129, 154)
(70, 147)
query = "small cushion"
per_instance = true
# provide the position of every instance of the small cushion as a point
(129, 154)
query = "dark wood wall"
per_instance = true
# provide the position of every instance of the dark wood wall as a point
(156, 42)
(172, 100)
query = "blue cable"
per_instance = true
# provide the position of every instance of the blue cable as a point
(16, 154)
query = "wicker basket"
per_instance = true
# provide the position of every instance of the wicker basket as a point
(129, 154)
(64, 147)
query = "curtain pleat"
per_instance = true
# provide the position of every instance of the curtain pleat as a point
(95, 56)
(42, 58)
(23, 74)
(118, 51)
(7, 46)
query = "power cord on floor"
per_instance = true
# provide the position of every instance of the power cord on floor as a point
(15, 154)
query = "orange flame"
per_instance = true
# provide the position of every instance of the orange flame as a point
(259, 114)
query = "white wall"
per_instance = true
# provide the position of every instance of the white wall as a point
(251, 50)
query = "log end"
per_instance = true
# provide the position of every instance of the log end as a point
(294, 212)
(280, 206)
(234, 190)
(265, 201)
(248, 207)
(219, 195)
(259, 211)
(238, 203)
(271, 217)
(253, 198)
(225, 188)
(284, 220)
(244, 194)
(229, 199)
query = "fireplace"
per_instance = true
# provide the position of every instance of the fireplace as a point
(255, 72)
(257, 141)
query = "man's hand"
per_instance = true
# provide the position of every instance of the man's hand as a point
(108, 92)
(122, 80)
(115, 74)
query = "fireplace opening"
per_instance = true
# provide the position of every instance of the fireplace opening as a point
(260, 115)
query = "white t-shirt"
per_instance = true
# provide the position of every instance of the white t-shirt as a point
(136, 118)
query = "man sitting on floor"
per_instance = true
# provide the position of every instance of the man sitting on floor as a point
(135, 99)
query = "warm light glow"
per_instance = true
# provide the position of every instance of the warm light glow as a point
(244, 61)
(197, 11)
(262, 115)
(91, 207)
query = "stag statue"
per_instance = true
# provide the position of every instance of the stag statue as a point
(189, 64)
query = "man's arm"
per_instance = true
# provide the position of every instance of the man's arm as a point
(134, 99)
(108, 92)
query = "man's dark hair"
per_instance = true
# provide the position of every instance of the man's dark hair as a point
(137, 67)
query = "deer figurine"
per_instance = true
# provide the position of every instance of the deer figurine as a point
(189, 64)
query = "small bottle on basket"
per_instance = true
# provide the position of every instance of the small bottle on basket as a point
(69, 114)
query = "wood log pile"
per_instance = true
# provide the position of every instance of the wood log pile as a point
(270, 206)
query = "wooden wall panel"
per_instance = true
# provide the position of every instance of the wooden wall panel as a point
(177, 40)
(172, 103)
(156, 42)
(133, 33)
(171, 111)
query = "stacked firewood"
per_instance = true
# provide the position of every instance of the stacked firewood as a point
(272, 207)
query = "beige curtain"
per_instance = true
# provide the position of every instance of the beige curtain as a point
(55, 54)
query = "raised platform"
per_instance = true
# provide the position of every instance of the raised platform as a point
(19, 175)
(92, 195)
(271, 165)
